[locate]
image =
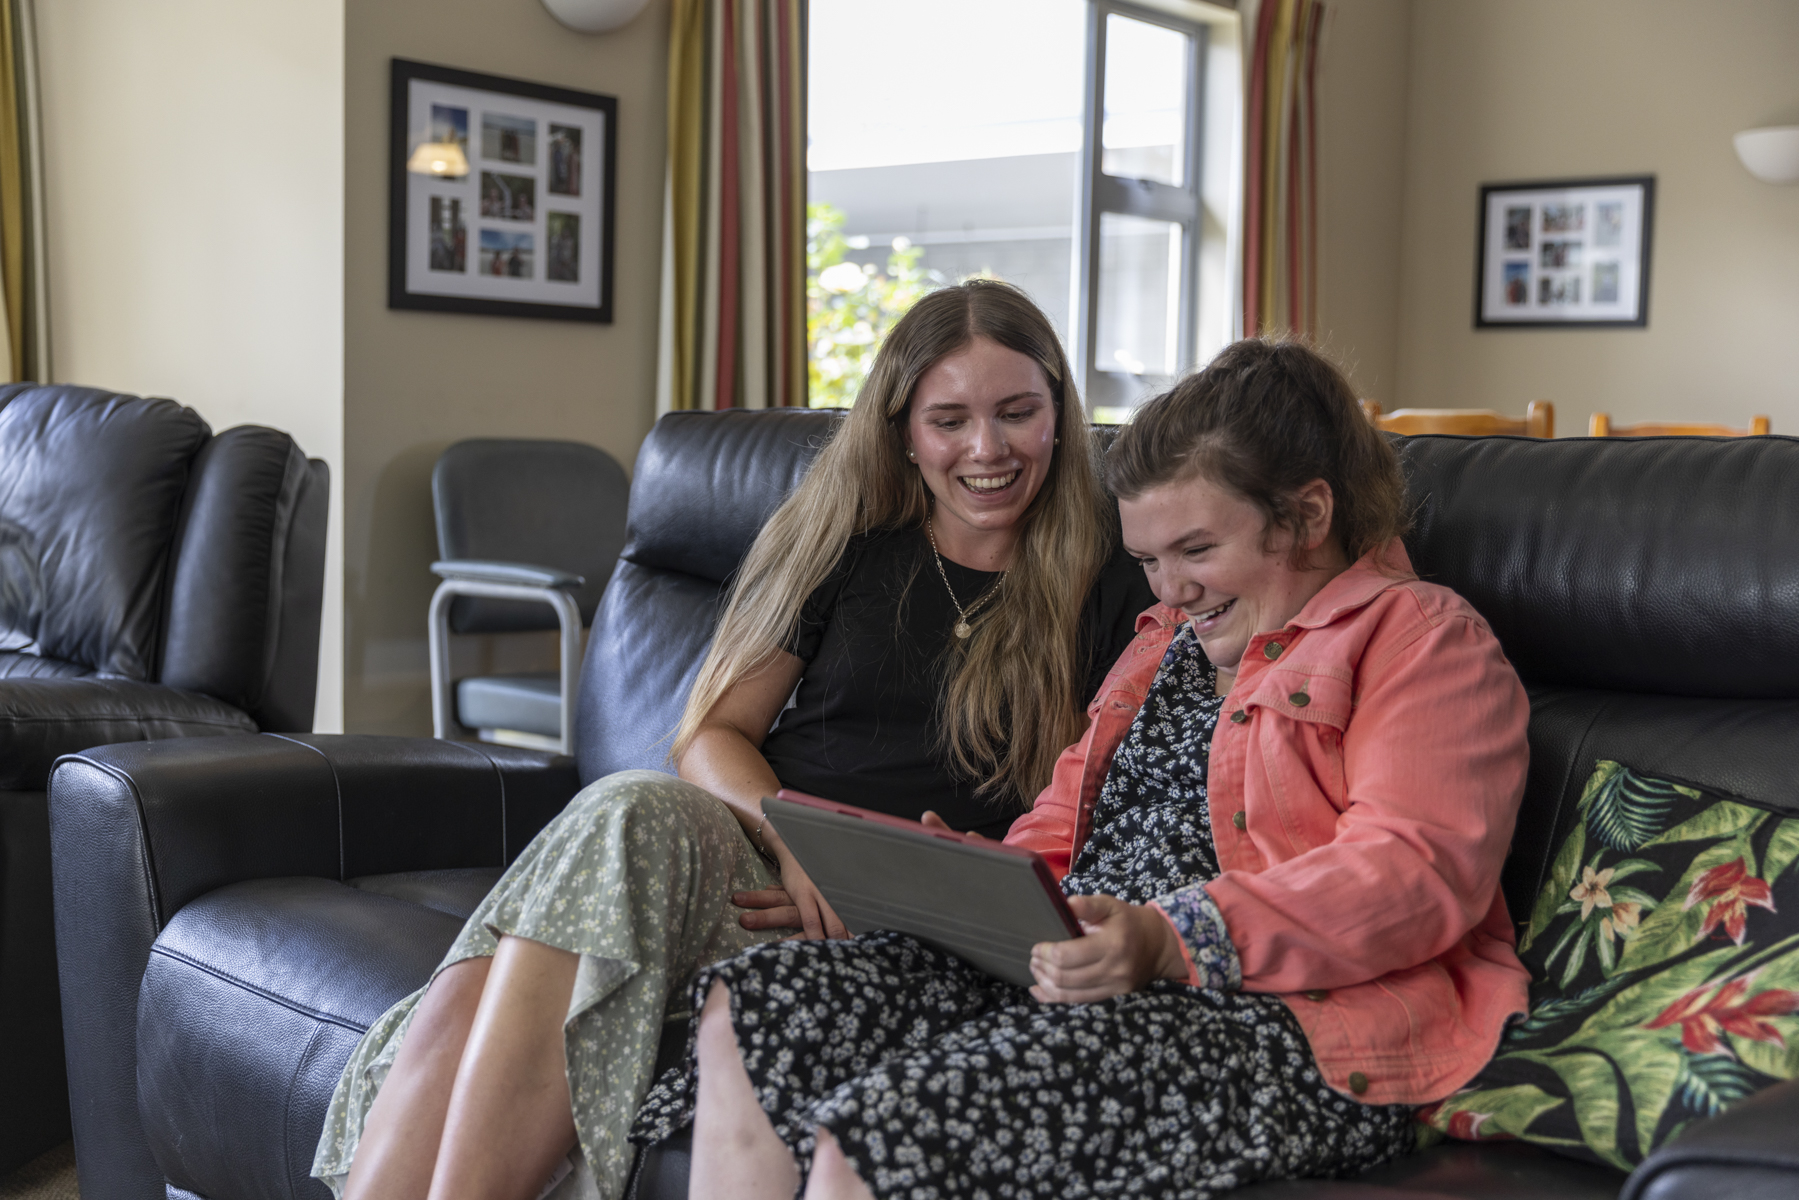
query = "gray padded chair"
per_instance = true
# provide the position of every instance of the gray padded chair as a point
(529, 532)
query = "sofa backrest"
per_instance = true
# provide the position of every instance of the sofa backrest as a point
(135, 544)
(1646, 589)
(91, 485)
(248, 578)
(703, 485)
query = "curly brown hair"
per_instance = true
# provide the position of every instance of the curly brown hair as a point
(1265, 418)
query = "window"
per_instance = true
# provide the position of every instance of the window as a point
(1084, 150)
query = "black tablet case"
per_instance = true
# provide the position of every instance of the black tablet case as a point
(982, 901)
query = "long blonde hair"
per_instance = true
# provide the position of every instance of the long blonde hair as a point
(1014, 699)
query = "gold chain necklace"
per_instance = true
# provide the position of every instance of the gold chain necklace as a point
(963, 628)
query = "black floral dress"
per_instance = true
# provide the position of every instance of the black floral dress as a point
(939, 1081)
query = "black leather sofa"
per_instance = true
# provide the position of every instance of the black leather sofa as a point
(156, 581)
(232, 914)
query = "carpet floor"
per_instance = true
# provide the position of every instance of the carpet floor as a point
(49, 1176)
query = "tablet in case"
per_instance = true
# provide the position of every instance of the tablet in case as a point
(981, 900)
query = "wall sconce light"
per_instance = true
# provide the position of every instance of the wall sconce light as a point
(1771, 154)
(442, 159)
(595, 16)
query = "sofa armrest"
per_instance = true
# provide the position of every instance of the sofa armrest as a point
(140, 829)
(1749, 1151)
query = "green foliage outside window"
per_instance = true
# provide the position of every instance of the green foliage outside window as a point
(851, 306)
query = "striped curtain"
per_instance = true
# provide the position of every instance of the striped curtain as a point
(1280, 225)
(22, 286)
(734, 240)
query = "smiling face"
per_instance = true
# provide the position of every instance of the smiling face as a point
(1208, 552)
(981, 429)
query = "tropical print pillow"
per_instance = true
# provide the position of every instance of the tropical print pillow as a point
(1664, 960)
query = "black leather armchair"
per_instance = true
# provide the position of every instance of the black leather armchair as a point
(232, 914)
(156, 581)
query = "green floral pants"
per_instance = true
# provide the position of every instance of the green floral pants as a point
(636, 877)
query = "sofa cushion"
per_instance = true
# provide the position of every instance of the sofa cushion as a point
(254, 998)
(43, 719)
(83, 567)
(1664, 957)
(458, 891)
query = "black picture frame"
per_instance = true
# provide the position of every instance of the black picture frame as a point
(1614, 271)
(597, 208)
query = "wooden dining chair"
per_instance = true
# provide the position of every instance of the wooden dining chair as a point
(1601, 426)
(1538, 420)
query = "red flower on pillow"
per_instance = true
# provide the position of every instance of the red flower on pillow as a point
(1466, 1126)
(1731, 889)
(1708, 1012)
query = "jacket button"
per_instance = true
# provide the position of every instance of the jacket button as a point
(1238, 819)
(1299, 699)
(1318, 994)
(1358, 1082)
(1240, 716)
(1272, 651)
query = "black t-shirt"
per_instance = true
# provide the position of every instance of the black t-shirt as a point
(862, 727)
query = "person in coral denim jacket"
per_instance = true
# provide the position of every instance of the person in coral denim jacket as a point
(1282, 834)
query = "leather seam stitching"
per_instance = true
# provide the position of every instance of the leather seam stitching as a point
(337, 788)
(271, 997)
(505, 828)
(484, 756)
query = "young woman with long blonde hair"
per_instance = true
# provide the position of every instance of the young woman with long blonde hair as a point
(918, 627)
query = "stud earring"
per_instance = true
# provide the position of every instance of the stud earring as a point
(1058, 441)
(912, 454)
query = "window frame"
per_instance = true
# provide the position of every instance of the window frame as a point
(1100, 194)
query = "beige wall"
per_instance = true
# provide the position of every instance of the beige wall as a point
(1541, 89)
(194, 169)
(414, 381)
(1361, 169)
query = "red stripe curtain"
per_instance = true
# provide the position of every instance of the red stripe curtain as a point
(734, 265)
(1280, 226)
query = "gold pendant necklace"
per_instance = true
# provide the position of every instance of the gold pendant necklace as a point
(963, 628)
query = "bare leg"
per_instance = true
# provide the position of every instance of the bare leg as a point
(736, 1153)
(832, 1177)
(399, 1141)
(509, 1118)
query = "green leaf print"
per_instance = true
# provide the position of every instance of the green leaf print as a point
(1559, 1008)
(1626, 810)
(1783, 849)
(1722, 819)
(1772, 1058)
(1562, 874)
(1593, 1083)
(1674, 928)
(1595, 1068)
(1711, 1082)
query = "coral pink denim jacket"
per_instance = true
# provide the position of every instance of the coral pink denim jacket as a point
(1364, 779)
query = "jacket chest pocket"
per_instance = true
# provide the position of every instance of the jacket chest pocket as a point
(1313, 697)
(1301, 716)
